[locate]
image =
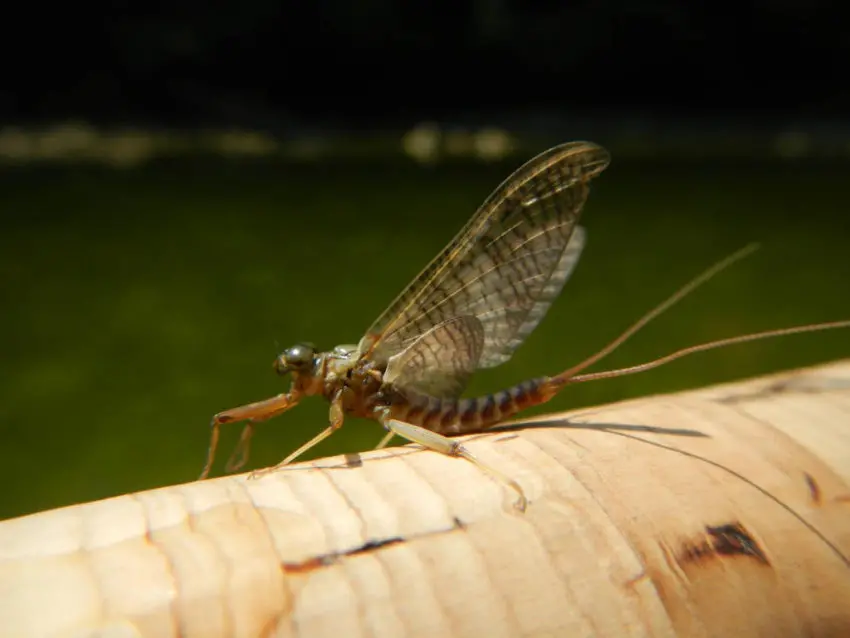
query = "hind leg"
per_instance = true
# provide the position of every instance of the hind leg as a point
(445, 445)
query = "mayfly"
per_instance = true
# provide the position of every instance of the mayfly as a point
(470, 308)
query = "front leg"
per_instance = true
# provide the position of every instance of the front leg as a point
(336, 417)
(445, 445)
(253, 413)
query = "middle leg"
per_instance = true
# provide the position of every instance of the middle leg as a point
(337, 416)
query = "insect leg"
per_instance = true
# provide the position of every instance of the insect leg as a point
(445, 445)
(337, 417)
(389, 436)
(253, 413)
(239, 456)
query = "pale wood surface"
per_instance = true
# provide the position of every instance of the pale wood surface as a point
(719, 512)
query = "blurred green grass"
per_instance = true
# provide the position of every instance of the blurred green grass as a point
(136, 304)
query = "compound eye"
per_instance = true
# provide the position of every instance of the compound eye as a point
(300, 355)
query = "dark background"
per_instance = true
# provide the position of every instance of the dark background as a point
(364, 64)
(139, 296)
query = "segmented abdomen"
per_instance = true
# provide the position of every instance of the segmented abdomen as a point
(463, 416)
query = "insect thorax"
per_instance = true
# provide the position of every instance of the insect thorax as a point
(338, 363)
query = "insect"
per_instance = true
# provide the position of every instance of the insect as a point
(470, 308)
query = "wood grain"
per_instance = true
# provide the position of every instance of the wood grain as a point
(718, 512)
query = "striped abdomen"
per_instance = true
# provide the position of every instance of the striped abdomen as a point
(461, 416)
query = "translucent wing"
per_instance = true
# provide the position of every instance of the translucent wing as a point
(509, 326)
(507, 264)
(440, 362)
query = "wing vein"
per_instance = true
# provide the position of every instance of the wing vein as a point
(500, 273)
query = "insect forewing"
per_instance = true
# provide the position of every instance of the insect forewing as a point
(510, 325)
(507, 264)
